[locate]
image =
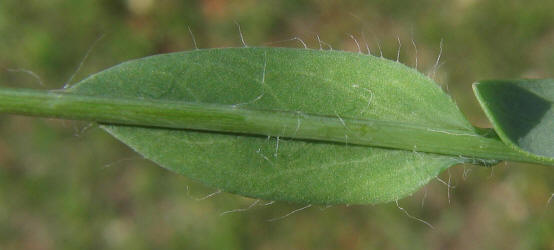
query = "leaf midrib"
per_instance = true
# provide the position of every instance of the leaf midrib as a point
(225, 118)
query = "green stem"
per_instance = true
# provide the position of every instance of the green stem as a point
(231, 119)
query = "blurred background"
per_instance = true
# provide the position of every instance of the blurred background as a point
(69, 185)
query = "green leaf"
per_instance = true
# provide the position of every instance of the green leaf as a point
(329, 83)
(522, 113)
(308, 126)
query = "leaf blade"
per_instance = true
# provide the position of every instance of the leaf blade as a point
(314, 82)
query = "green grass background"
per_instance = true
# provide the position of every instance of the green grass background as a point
(63, 186)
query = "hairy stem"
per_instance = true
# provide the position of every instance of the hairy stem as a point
(232, 119)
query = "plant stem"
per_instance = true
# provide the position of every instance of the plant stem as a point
(231, 119)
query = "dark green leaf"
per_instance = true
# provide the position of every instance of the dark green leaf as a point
(522, 113)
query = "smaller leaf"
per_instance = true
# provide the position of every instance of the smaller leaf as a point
(522, 113)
